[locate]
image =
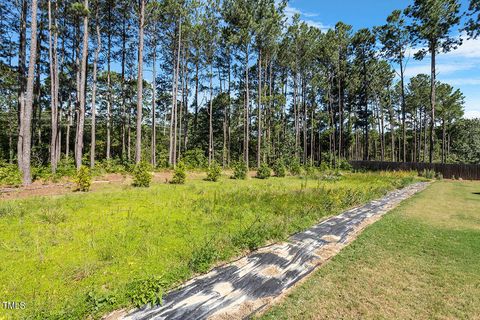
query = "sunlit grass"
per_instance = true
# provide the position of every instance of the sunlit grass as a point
(78, 254)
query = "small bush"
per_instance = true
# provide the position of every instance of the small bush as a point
(97, 301)
(10, 175)
(195, 159)
(66, 168)
(439, 176)
(141, 175)
(113, 166)
(83, 179)
(279, 169)
(264, 171)
(250, 238)
(310, 170)
(344, 165)
(202, 258)
(240, 170)
(295, 168)
(428, 174)
(214, 172)
(146, 291)
(324, 166)
(179, 174)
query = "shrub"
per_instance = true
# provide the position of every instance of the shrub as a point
(66, 168)
(42, 173)
(146, 291)
(141, 175)
(83, 179)
(295, 167)
(214, 172)
(344, 165)
(10, 175)
(428, 174)
(240, 170)
(279, 168)
(250, 238)
(203, 257)
(310, 170)
(264, 171)
(97, 301)
(179, 174)
(324, 166)
(195, 159)
(113, 166)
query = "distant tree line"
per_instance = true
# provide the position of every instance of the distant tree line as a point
(233, 79)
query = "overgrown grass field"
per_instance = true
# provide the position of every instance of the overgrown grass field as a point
(86, 254)
(421, 261)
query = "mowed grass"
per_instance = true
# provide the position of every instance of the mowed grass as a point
(84, 254)
(421, 261)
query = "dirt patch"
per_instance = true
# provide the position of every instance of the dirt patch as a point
(270, 271)
(66, 186)
(241, 311)
(115, 315)
(331, 238)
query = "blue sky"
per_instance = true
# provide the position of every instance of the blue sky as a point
(460, 68)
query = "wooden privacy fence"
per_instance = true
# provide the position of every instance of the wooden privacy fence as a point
(464, 171)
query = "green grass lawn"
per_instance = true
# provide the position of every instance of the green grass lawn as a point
(421, 261)
(88, 253)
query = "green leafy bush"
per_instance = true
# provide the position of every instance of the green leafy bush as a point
(251, 238)
(264, 172)
(146, 291)
(195, 159)
(428, 174)
(240, 170)
(344, 165)
(179, 174)
(113, 166)
(203, 257)
(214, 172)
(66, 168)
(279, 168)
(310, 170)
(10, 175)
(439, 176)
(83, 179)
(141, 175)
(324, 166)
(295, 167)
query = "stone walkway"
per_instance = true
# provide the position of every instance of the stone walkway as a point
(248, 285)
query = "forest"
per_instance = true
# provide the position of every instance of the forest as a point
(118, 83)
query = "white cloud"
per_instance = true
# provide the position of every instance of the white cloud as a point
(441, 68)
(472, 114)
(463, 81)
(470, 48)
(291, 11)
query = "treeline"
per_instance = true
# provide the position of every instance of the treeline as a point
(233, 79)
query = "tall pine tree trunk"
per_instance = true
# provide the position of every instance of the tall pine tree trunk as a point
(25, 133)
(154, 105)
(82, 93)
(54, 84)
(94, 91)
(138, 141)
(259, 110)
(22, 57)
(432, 100)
